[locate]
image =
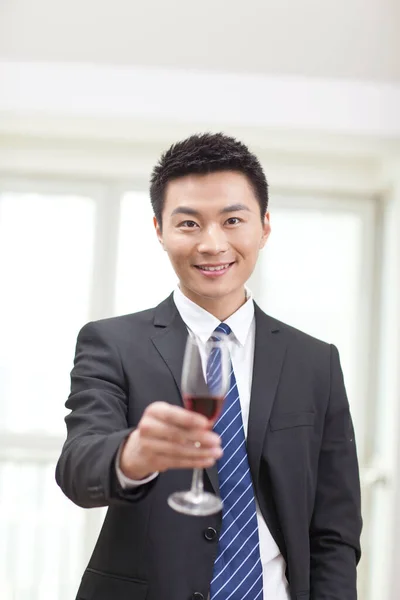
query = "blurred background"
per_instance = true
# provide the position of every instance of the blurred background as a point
(90, 94)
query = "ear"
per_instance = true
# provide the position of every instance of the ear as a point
(158, 229)
(266, 230)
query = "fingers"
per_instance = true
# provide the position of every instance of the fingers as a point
(165, 463)
(158, 430)
(177, 416)
(169, 437)
(179, 451)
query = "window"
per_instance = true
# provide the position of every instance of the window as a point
(314, 276)
(46, 264)
(145, 282)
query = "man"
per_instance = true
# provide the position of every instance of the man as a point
(293, 528)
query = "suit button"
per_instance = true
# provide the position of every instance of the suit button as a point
(197, 596)
(210, 534)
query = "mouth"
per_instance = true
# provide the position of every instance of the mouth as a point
(216, 270)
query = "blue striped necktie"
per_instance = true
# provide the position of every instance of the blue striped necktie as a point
(237, 569)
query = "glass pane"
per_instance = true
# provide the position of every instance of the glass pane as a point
(312, 275)
(46, 256)
(144, 274)
(41, 535)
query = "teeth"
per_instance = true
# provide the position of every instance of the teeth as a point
(221, 268)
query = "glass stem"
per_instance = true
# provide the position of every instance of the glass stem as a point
(197, 482)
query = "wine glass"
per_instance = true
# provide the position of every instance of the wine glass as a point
(212, 362)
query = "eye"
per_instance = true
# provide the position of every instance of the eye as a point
(233, 221)
(188, 224)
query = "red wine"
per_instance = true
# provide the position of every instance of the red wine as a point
(209, 406)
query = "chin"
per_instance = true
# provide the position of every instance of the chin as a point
(216, 292)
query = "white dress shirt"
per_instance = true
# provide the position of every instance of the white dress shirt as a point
(202, 324)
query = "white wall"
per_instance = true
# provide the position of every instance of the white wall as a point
(197, 99)
(355, 39)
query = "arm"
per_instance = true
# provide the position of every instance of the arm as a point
(104, 458)
(336, 524)
(97, 424)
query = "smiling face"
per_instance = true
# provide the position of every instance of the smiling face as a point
(212, 231)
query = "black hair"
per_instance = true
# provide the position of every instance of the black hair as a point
(203, 154)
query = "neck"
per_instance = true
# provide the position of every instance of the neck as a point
(221, 308)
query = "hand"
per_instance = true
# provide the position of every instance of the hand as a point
(169, 437)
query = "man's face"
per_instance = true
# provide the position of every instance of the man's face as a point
(212, 232)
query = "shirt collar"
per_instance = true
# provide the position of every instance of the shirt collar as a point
(203, 323)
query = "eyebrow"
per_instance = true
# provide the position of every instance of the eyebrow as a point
(186, 210)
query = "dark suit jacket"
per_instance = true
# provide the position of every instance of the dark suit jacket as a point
(301, 452)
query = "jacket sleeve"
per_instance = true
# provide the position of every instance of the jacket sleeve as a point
(97, 424)
(336, 524)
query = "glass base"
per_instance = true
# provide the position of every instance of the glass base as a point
(198, 505)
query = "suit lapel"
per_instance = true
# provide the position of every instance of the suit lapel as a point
(269, 353)
(170, 339)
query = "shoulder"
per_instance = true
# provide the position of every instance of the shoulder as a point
(122, 322)
(298, 336)
(266, 321)
(134, 326)
(304, 348)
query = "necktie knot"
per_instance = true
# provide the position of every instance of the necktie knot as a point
(222, 328)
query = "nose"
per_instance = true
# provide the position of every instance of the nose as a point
(213, 240)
